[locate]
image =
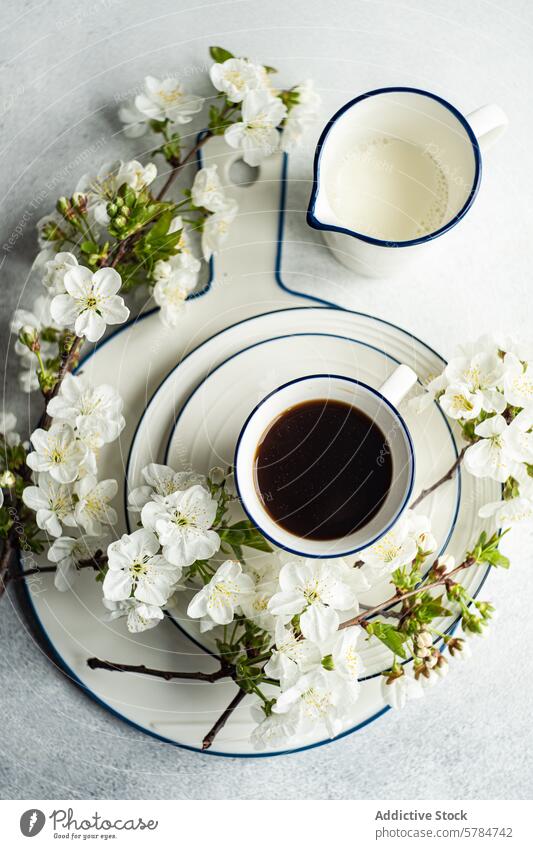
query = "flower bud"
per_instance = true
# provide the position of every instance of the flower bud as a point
(7, 479)
(120, 221)
(51, 232)
(79, 201)
(216, 475)
(28, 336)
(112, 209)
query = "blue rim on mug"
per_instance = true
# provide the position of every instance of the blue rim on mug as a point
(410, 447)
(316, 224)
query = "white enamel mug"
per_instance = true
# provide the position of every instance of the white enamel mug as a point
(380, 405)
(405, 116)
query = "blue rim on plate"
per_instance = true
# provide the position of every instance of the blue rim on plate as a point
(411, 452)
(388, 356)
(314, 222)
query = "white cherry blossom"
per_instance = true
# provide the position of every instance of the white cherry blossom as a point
(490, 456)
(291, 656)
(344, 652)
(8, 423)
(93, 510)
(139, 616)
(53, 504)
(38, 317)
(255, 605)
(519, 437)
(218, 600)
(481, 374)
(319, 697)
(67, 553)
(272, 730)
(459, 402)
(88, 406)
(175, 279)
(167, 100)
(57, 451)
(136, 175)
(56, 268)
(433, 389)
(396, 548)
(400, 690)
(136, 568)
(518, 382)
(102, 187)
(419, 527)
(237, 77)
(256, 135)
(301, 116)
(508, 513)
(91, 301)
(216, 228)
(315, 589)
(135, 124)
(207, 190)
(182, 521)
(161, 481)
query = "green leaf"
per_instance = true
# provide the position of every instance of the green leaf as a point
(220, 54)
(89, 247)
(244, 534)
(389, 636)
(431, 609)
(270, 70)
(496, 558)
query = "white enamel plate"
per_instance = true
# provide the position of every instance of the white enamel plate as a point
(156, 371)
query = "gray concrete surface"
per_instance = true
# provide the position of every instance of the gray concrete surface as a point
(64, 67)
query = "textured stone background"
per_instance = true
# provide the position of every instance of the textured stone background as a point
(64, 67)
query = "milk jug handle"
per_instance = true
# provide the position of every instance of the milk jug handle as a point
(488, 123)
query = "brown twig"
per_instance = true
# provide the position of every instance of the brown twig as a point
(398, 597)
(446, 477)
(67, 362)
(222, 719)
(185, 161)
(167, 675)
(95, 563)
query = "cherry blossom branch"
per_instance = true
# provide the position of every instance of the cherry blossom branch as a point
(67, 363)
(399, 596)
(221, 721)
(167, 675)
(95, 563)
(446, 477)
(185, 161)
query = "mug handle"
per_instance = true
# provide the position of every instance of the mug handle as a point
(398, 384)
(488, 123)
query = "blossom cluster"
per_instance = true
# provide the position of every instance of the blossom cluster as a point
(71, 505)
(293, 608)
(252, 114)
(488, 389)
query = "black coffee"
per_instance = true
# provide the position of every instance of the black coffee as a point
(323, 469)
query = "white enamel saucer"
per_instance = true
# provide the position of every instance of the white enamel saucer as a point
(208, 426)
